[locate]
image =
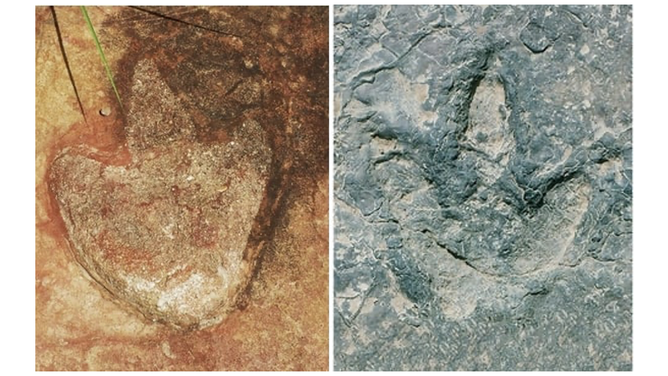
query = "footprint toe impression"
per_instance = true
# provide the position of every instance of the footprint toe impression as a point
(169, 232)
(503, 227)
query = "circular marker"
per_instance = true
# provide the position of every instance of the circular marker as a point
(105, 111)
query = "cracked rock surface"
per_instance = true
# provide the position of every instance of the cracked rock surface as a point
(483, 188)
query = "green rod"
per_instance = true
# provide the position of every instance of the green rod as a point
(99, 50)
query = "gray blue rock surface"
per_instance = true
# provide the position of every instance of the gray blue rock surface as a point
(483, 188)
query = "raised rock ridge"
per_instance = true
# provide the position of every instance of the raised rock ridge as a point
(167, 230)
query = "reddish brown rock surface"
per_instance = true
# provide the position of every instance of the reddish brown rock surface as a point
(186, 230)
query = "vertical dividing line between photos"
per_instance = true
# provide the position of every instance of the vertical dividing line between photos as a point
(331, 186)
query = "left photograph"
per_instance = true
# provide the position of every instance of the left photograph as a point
(181, 188)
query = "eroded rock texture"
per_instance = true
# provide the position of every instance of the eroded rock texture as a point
(168, 233)
(483, 188)
(183, 225)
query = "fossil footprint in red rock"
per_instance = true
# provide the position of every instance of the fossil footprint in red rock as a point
(169, 232)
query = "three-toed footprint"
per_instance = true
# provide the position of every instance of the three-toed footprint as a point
(169, 231)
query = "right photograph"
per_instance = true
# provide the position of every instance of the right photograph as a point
(482, 188)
